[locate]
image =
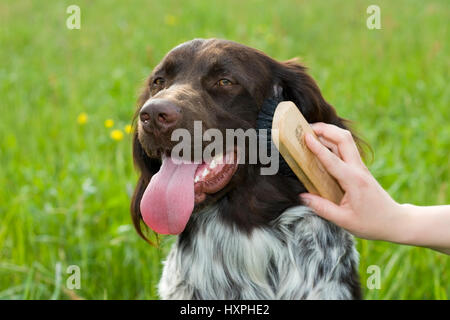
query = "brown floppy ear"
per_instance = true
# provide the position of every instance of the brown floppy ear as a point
(300, 88)
(146, 167)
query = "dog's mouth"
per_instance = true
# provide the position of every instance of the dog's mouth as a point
(170, 197)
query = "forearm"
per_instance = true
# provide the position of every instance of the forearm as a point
(426, 227)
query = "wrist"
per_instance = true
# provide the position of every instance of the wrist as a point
(407, 232)
(401, 225)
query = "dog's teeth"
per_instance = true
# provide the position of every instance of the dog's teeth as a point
(213, 164)
(205, 173)
(197, 178)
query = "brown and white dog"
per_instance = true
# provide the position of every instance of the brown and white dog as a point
(241, 235)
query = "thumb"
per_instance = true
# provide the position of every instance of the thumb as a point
(323, 207)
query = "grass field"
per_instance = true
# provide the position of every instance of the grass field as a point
(65, 183)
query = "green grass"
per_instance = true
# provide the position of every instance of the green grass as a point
(65, 188)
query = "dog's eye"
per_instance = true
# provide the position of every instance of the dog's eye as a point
(159, 81)
(224, 83)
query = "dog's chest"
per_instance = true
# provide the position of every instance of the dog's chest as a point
(282, 262)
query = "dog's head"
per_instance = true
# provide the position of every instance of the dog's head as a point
(222, 84)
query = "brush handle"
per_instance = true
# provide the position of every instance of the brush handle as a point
(288, 131)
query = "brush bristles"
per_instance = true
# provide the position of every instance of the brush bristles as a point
(264, 121)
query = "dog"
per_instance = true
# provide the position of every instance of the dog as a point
(241, 234)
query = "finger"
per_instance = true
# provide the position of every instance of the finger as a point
(342, 138)
(330, 145)
(324, 208)
(334, 165)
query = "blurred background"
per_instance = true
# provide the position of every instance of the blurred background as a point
(67, 98)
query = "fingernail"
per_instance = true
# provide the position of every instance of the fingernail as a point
(310, 136)
(305, 199)
(307, 137)
(310, 140)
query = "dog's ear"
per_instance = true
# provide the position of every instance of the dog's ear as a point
(146, 167)
(299, 87)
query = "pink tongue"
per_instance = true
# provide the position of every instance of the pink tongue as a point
(168, 201)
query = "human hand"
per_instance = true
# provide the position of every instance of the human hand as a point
(366, 210)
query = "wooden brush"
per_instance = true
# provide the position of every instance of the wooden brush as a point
(288, 130)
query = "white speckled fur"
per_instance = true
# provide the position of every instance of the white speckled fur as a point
(301, 256)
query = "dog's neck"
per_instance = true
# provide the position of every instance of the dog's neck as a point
(255, 200)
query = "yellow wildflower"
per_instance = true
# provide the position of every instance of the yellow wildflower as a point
(82, 118)
(116, 135)
(128, 128)
(170, 20)
(109, 123)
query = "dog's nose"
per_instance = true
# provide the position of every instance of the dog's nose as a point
(160, 114)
